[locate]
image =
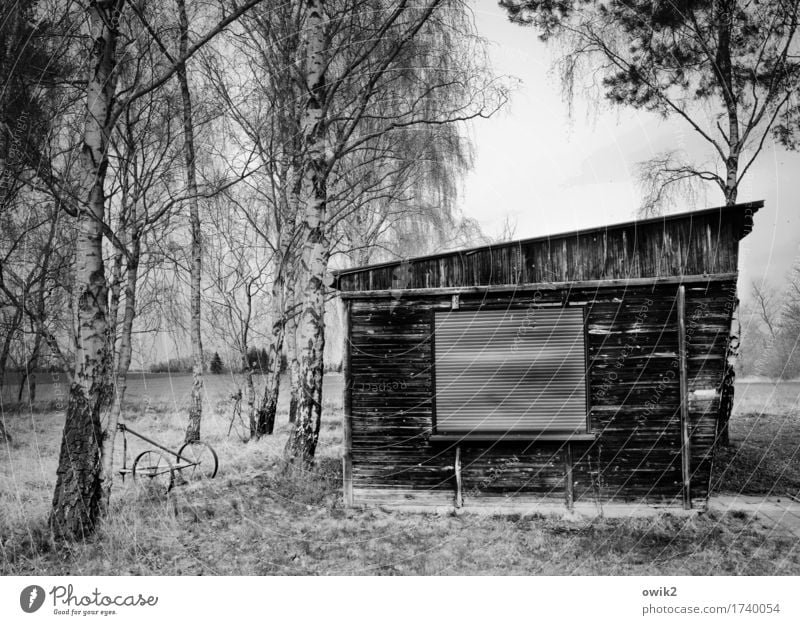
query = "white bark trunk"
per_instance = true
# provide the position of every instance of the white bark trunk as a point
(251, 399)
(122, 366)
(77, 498)
(269, 402)
(294, 366)
(196, 401)
(302, 443)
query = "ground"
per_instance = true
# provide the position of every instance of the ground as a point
(254, 519)
(765, 456)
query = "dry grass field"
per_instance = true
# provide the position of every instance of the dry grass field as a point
(764, 458)
(255, 519)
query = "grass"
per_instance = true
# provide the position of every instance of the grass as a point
(257, 519)
(146, 392)
(764, 457)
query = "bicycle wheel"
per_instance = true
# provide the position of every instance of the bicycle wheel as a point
(153, 470)
(197, 459)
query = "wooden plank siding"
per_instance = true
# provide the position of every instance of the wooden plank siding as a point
(632, 354)
(700, 243)
(632, 350)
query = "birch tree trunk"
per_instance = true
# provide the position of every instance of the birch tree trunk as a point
(732, 350)
(269, 403)
(125, 350)
(28, 380)
(293, 277)
(196, 401)
(281, 283)
(77, 497)
(250, 387)
(302, 443)
(294, 366)
(731, 192)
(115, 290)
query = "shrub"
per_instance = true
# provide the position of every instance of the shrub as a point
(173, 365)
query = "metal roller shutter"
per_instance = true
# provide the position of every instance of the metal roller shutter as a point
(521, 370)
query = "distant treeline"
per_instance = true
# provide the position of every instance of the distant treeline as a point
(45, 369)
(258, 359)
(173, 365)
(771, 330)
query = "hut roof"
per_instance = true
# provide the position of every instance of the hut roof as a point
(691, 243)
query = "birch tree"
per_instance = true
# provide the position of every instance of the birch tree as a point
(196, 401)
(356, 58)
(78, 499)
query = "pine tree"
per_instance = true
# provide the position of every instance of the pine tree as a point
(727, 68)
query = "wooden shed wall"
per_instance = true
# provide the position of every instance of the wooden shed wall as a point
(693, 244)
(632, 344)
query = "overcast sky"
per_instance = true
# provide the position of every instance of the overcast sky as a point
(550, 173)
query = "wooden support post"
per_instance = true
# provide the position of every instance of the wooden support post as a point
(686, 446)
(347, 404)
(569, 495)
(459, 500)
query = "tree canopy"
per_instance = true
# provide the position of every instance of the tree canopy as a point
(727, 68)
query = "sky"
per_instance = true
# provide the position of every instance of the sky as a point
(550, 172)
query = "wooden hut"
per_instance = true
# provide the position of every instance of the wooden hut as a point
(585, 366)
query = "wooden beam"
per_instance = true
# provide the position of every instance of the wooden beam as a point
(347, 403)
(569, 494)
(459, 499)
(532, 287)
(504, 437)
(686, 447)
